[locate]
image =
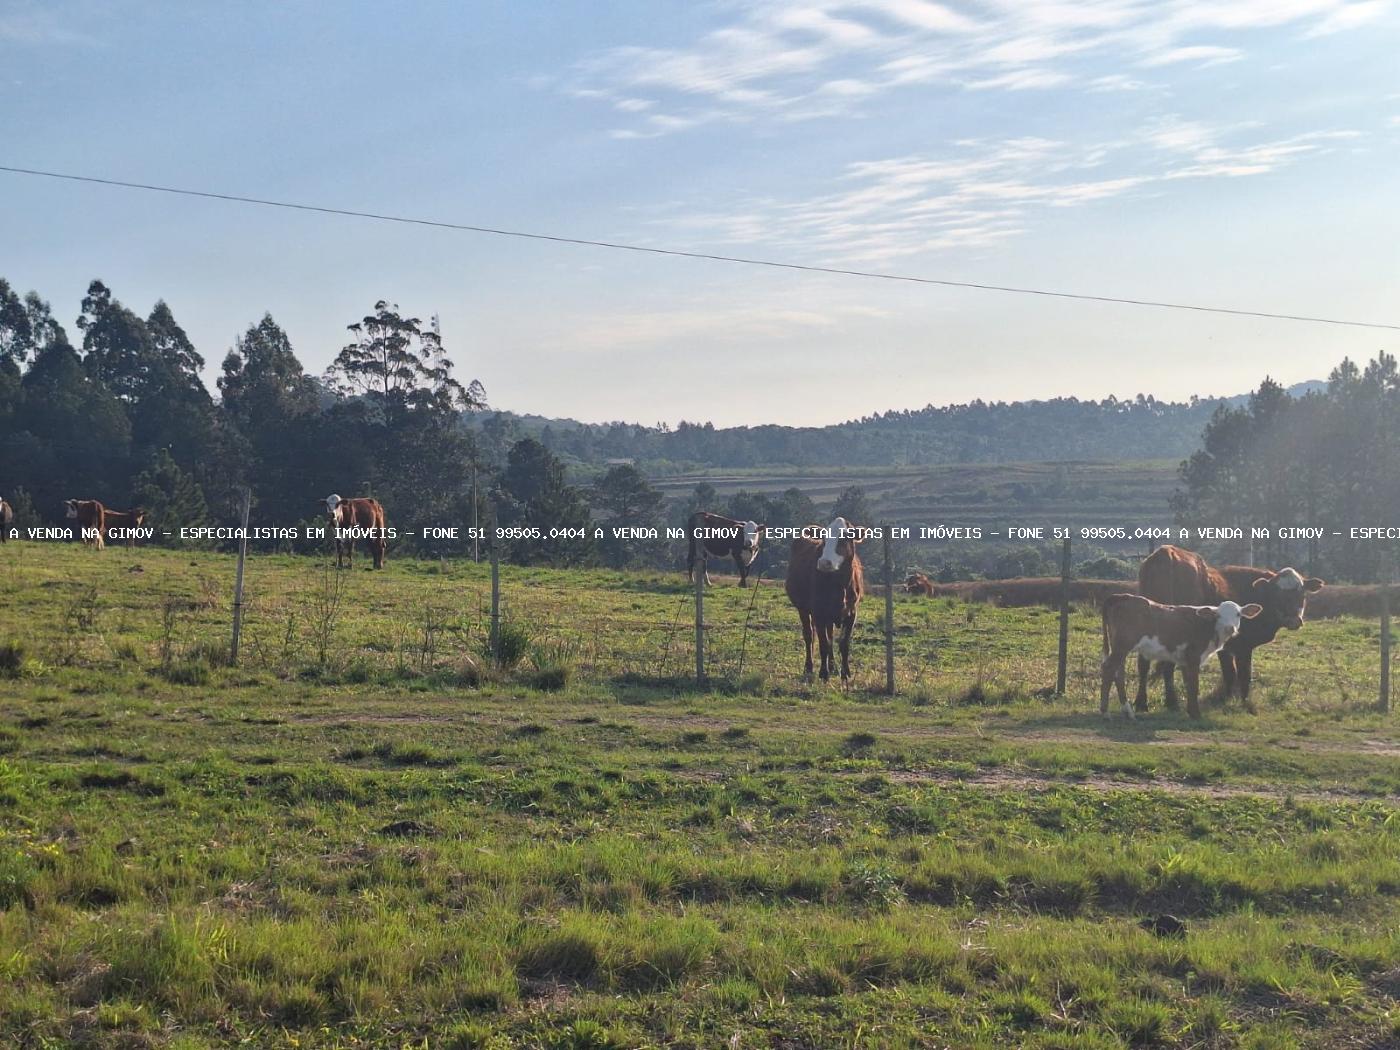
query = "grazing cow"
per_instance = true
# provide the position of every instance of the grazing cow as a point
(91, 517)
(124, 519)
(918, 583)
(1188, 635)
(825, 584)
(361, 513)
(712, 535)
(1175, 576)
(7, 518)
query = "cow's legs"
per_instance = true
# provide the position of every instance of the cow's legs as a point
(377, 548)
(1229, 672)
(825, 633)
(1244, 666)
(1144, 671)
(1191, 675)
(1107, 676)
(1169, 679)
(743, 572)
(846, 629)
(806, 619)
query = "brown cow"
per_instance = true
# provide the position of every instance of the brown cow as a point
(129, 520)
(7, 518)
(918, 583)
(825, 584)
(351, 515)
(1188, 635)
(1175, 576)
(91, 517)
(712, 535)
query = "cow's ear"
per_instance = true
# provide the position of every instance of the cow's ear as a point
(1312, 585)
(1206, 612)
(1251, 610)
(760, 530)
(1263, 581)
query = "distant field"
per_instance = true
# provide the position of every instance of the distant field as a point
(987, 494)
(365, 837)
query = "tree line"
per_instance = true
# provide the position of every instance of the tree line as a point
(1328, 460)
(118, 412)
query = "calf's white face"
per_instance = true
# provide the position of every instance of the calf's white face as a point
(749, 532)
(831, 557)
(332, 503)
(71, 508)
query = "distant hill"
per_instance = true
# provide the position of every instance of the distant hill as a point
(1057, 430)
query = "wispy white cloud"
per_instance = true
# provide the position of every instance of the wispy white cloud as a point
(794, 59)
(984, 192)
(1207, 54)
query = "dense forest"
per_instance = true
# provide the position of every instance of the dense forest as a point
(118, 412)
(979, 432)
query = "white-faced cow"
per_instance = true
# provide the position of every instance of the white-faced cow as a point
(825, 583)
(363, 517)
(7, 519)
(1185, 635)
(128, 521)
(715, 536)
(1175, 576)
(91, 519)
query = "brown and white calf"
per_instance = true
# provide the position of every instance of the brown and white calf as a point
(825, 583)
(715, 536)
(91, 518)
(1175, 576)
(1183, 635)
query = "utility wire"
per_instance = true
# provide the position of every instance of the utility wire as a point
(678, 253)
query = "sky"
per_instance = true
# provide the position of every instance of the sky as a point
(1235, 153)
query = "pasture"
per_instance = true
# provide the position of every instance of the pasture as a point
(365, 836)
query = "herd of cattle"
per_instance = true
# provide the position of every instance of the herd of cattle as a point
(1183, 613)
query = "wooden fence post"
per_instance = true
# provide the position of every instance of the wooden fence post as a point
(1384, 702)
(238, 579)
(700, 618)
(1064, 622)
(495, 603)
(889, 616)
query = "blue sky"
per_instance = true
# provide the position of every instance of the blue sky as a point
(1237, 153)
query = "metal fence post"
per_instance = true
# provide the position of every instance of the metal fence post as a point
(495, 603)
(1064, 622)
(889, 616)
(700, 622)
(238, 579)
(1384, 702)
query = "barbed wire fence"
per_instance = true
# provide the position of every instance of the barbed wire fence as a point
(301, 617)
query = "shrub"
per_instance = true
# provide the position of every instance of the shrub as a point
(11, 659)
(512, 644)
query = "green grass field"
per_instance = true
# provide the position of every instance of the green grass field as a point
(364, 836)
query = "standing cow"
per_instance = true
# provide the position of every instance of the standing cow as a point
(1188, 635)
(361, 513)
(712, 535)
(129, 520)
(91, 518)
(1174, 576)
(7, 518)
(825, 583)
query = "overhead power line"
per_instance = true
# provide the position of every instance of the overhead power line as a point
(709, 256)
